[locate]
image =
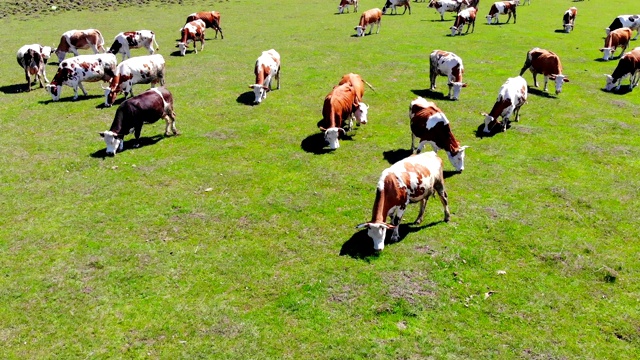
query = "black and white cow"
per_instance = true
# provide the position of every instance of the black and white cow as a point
(125, 41)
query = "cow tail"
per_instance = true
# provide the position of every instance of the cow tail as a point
(153, 37)
(100, 43)
(432, 68)
(527, 64)
(366, 82)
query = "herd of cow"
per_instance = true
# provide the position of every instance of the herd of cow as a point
(413, 179)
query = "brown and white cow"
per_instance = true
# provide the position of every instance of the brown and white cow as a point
(33, 59)
(502, 8)
(191, 31)
(267, 69)
(73, 40)
(511, 97)
(547, 63)
(369, 17)
(145, 108)
(431, 126)
(344, 4)
(444, 63)
(628, 65)
(338, 106)
(125, 41)
(82, 68)
(569, 19)
(443, 6)
(136, 70)
(211, 20)
(361, 112)
(618, 37)
(466, 16)
(630, 21)
(393, 3)
(413, 179)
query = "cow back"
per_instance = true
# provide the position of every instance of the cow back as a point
(545, 62)
(356, 81)
(338, 105)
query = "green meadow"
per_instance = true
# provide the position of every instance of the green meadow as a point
(237, 239)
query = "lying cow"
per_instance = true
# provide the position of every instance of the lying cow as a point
(431, 126)
(393, 3)
(569, 19)
(443, 6)
(369, 17)
(73, 40)
(82, 68)
(618, 37)
(360, 113)
(125, 41)
(547, 63)
(192, 31)
(511, 97)
(33, 59)
(630, 21)
(267, 69)
(628, 65)
(145, 108)
(413, 179)
(211, 20)
(338, 106)
(466, 16)
(344, 4)
(444, 63)
(137, 70)
(502, 8)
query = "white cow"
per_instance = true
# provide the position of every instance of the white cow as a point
(72, 72)
(137, 70)
(443, 6)
(125, 41)
(512, 95)
(266, 69)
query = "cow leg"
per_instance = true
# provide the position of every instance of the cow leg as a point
(397, 218)
(535, 78)
(201, 43)
(75, 92)
(28, 77)
(546, 80)
(413, 139)
(514, 16)
(442, 16)
(84, 92)
(637, 33)
(74, 51)
(278, 77)
(450, 91)
(423, 205)
(444, 199)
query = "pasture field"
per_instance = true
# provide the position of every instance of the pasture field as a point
(236, 239)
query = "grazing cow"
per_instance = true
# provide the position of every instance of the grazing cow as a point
(211, 20)
(512, 95)
(628, 65)
(569, 19)
(147, 107)
(338, 106)
(431, 126)
(466, 16)
(618, 37)
(125, 41)
(192, 31)
(630, 21)
(361, 111)
(267, 68)
(82, 68)
(443, 6)
(413, 179)
(547, 63)
(344, 4)
(447, 64)
(369, 17)
(502, 8)
(393, 3)
(137, 70)
(73, 40)
(33, 59)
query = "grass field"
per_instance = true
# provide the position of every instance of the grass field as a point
(236, 239)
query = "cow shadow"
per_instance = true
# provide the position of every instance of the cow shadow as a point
(176, 53)
(624, 89)
(541, 93)
(246, 98)
(393, 156)
(315, 143)
(115, 104)
(360, 245)
(496, 129)
(130, 144)
(430, 94)
(560, 31)
(15, 89)
(450, 173)
(70, 99)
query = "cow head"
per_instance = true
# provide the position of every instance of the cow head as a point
(114, 143)
(54, 91)
(377, 232)
(109, 96)
(456, 86)
(359, 30)
(331, 136)
(489, 18)
(260, 91)
(568, 28)
(610, 82)
(46, 53)
(341, 9)
(361, 112)
(488, 119)
(183, 48)
(559, 79)
(607, 30)
(607, 52)
(457, 158)
(456, 30)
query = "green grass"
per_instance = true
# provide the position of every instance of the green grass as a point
(131, 257)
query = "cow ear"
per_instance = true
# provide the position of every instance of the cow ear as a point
(465, 85)
(552, 77)
(363, 225)
(601, 49)
(322, 129)
(341, 131)
(565, 80)
(101, 133)
(484, 114)
(250, 86)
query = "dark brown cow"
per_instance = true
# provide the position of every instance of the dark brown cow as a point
(211, 20)
(547, 63)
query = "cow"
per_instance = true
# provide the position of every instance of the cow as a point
(266, 69)
(344, 4)
(511, 97)
(569, 19)
(502, 8)
(147, 107)
(413, 179)
(630, 21)
(466, 16)
(338, 106)
(360, 113)
(447, 64)
(393, 3)
(82, 68)
(191, 31)
(547, 63)
(211, 20)
(369, 17)
(618, 37)
(443, 6)
(137, 70)
(628, 65)
(33, 59)
(431, 126)
(125, 41)
(73, 40)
